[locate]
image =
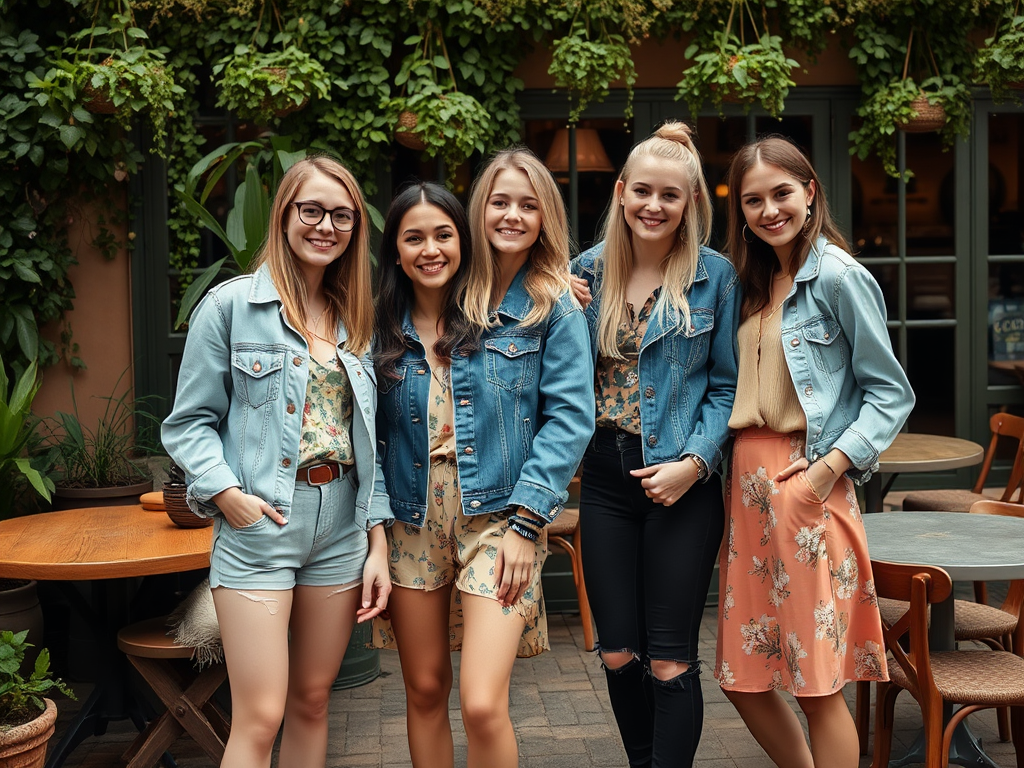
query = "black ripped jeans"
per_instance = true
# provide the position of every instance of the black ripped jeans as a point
(648, 568)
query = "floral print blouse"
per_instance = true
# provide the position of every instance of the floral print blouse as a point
(327, 416)
(616, 382)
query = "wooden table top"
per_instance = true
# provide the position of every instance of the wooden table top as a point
(911, 452)
(99, 543)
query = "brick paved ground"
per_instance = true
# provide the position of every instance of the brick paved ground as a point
(559, 706)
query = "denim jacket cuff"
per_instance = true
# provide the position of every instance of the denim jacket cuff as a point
(861, 454)
(379, 512)
(207, 485)
(706, 449)
(537, 499)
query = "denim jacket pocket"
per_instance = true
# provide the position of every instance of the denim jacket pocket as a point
(690, 345)
(257, 372)
(823, 333)
(512, 361)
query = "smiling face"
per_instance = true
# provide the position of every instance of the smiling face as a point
(316, 246)
(512, 215)
(428, 248)
(653, 199)
(774, 205)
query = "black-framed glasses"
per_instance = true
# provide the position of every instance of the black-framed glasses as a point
(311, 214)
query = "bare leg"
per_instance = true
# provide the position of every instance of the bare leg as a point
(489, 644)
(420, 622)
(834, 741)
(254, 630)
(321, 625)
(776, 727)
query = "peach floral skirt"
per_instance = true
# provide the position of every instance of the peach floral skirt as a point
(797, 609)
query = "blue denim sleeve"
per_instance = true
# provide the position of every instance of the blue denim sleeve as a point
(190, 434)
(888, 398)
(380, 502)
(711, 430)
(566, 415)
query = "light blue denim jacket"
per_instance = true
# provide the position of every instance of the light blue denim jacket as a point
(524, 413)
(853, 390)
(687, 375)
(237, 415)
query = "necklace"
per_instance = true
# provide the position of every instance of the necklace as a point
(316, 325)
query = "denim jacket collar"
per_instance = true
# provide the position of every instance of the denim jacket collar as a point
(263, 291)
(516, 302)
(811, 265)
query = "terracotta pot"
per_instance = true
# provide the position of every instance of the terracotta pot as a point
(405, 132)
(930, 117)
(118, 495)
(25, 745)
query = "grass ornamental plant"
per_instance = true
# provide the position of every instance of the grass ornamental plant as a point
(21, 699)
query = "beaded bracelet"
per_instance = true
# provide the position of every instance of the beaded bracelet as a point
(522, 530)
(522, 519)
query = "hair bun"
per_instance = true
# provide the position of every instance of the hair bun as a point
(675, 130)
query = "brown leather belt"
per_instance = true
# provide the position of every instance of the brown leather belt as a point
(322, 473)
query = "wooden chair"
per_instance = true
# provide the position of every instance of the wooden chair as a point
(187, 697)
(959, 500)
(974, 679)
(565, 533)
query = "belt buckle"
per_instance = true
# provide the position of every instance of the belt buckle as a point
(321, 470)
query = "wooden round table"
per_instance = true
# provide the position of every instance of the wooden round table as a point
(108, 546)
(914, 452)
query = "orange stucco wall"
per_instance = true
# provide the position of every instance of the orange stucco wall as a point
(100, 323)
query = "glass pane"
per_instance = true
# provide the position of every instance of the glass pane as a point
(795, 127)
(931, 195)
(1006, 323)
(874, 210)
(887, 276)
(1006, 184)
(930, 369)
(931, 291)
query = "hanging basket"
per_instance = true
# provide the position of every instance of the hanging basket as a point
(405, 132)
(97, 100)
(271, 104)
(929, 118)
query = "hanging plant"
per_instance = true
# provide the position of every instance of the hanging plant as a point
(731, 69)
(588, 67)
(431, 113)
(265, 87)
(1000, 63)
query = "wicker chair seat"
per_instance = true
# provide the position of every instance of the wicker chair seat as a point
(944, 500)
(975, 621)
(892, 610)
(989, 678)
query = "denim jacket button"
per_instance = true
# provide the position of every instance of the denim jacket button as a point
(474, 504)
(649, 392)
(463, 402)
(795, 342)
(415, 419)
(652, 441)
(296, 361)
(256, 367)
(417, 465)
(827, 337)
(415, 515)
(421, 372)
(808, 391)
(286, 462)
(290, 408)
(469, 449)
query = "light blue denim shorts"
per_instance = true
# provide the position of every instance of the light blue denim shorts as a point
(321, 545)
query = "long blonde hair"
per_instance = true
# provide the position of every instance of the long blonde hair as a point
(672, 141)
(547, 275)
(346, 282)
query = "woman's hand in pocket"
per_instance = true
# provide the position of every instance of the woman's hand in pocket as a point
(818, 475)
(243, 509)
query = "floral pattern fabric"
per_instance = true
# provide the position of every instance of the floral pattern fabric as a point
(457, 549)
(797, 606)
(617, 382)
(327, 415)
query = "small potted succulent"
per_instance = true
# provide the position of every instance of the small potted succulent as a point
(26, 717)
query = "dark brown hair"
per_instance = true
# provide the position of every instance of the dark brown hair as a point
(756, 262)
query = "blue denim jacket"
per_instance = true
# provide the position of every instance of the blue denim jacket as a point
(524, 413)
(687, 375)
(853, 390)
(237, 414)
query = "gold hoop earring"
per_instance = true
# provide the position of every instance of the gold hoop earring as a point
(744, 232)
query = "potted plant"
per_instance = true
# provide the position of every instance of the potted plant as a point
(26, 717)
(116, 73)
(739, 61)
(19, 469)
(431, 113)
(265, 87)
(588, 67)
(1000, 62)
(101, 465)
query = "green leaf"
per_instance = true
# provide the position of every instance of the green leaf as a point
(196, 290)
(70, 135)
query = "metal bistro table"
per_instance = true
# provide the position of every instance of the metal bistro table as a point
(913, 452)
(108, 546)
(969, 548)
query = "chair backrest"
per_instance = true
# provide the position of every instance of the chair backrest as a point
(1005, 425)
(919, 585)
(1015, 594)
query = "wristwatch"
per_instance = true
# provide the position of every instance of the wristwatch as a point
(702, 467)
